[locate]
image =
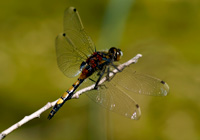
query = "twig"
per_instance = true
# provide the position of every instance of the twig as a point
(76, 95)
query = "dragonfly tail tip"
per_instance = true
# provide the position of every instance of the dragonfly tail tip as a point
(50, 116)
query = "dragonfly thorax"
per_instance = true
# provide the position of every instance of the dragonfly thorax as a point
(99, 59)
(115, 54)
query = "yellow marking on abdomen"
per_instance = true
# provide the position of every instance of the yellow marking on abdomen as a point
(77, 82)
(71, 89)
(60, 101)
(65, 95)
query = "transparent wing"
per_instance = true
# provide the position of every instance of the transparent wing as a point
(113, 94)
(140, 83)
(74, 45)
(114, 99)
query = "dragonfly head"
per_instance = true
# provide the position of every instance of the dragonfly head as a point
(115, 53)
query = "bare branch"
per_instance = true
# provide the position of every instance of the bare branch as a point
(76, 95)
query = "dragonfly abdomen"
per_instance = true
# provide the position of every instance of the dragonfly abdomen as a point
(69, 93)
(66, 96)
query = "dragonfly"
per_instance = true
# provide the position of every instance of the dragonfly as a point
(77, 55)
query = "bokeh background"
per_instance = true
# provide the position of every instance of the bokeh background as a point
(166, 32)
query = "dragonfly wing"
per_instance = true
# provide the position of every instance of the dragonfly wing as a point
(73, 24)
(74, 45)
(113, 95)
(114, 99)
(140, 83)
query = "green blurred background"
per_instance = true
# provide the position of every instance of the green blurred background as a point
(166, 32)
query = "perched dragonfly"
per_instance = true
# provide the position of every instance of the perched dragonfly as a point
(77, 54)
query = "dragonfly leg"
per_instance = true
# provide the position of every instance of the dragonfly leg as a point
(92, 80)
(108, 78)
(101, 74)
(102, 85)
(108, 72)
(116, 67)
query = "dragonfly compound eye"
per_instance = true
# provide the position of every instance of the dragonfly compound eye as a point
(118, 55)
(115, 53)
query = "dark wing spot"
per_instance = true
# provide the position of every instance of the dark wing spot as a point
(137, 105)
(64, 34)
(74, 9)
(163, 82)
